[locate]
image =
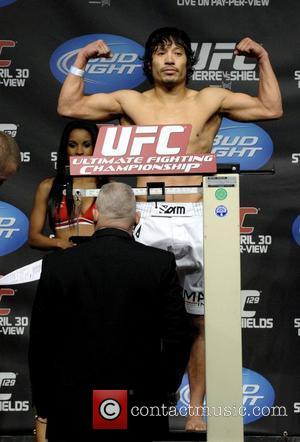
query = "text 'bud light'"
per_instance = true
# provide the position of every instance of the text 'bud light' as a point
(245, 144)
(124, 70)
(258, 395)
(13, 228)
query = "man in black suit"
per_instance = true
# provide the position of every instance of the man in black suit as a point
(108, 315)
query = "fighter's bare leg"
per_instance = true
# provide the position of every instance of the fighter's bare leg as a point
(196, 373)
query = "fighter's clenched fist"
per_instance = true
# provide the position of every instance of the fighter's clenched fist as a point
(96, 49)
(250, 48)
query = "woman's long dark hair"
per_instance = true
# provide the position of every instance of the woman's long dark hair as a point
(63, 180)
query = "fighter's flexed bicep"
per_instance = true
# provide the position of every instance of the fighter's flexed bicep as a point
(72, 100)
(267, 104)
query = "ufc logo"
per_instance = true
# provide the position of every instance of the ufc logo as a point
(5, 292)
(244, 211)
(118, 141)
(6, 44)
(7, 380)
(218, 53)
(10, 129)
(249, 297)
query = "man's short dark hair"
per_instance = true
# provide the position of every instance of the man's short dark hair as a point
(9, 153)
(165, 36)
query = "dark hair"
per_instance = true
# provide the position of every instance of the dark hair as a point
(63, 180)
(162, 37)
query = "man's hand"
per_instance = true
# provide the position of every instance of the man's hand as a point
(250, 48)
(95, 49)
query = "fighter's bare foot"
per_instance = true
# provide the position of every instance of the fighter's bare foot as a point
(195, 423)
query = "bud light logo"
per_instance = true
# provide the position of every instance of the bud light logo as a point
(296, 230)
(6, 2)
(123, 71)
(184, 391)
(258, 394)
(13, 228)
(243, 143)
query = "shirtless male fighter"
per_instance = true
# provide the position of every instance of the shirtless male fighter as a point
(168, 64)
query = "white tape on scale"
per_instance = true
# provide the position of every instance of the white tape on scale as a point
(142, 191)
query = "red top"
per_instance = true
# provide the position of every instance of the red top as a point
(62, 221)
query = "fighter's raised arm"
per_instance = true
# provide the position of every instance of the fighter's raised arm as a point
(267, 105)
(72, 101)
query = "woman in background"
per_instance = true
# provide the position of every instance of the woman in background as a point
(67, 216)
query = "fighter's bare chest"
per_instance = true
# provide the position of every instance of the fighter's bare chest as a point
(151, 113)
(203, 124)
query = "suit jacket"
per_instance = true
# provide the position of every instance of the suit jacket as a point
(108, 314)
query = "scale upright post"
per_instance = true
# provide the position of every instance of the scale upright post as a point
(223, 346)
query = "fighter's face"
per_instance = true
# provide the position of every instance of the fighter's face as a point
(169, 64)
(80, 143)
